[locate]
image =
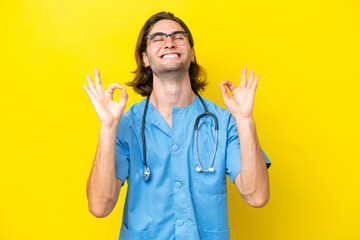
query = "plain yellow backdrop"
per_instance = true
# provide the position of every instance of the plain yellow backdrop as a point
(306, 108)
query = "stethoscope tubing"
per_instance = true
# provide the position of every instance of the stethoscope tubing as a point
(146, 169)
(146, 175)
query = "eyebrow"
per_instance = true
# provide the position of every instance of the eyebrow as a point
(162, 33)
(177, 31)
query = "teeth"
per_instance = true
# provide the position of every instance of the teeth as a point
(170, 56)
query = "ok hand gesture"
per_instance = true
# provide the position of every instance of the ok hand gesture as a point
(241, 103)
(107, 109)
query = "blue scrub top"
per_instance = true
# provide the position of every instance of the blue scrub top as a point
(177, 202)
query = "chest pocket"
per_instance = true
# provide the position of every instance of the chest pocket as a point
(208, 182)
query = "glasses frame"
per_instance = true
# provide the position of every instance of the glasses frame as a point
(168, 35)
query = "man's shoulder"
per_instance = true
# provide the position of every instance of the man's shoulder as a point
(135, 111)
(220, 112)
(133, 116)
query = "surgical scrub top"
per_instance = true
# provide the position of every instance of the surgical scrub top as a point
(177, 202)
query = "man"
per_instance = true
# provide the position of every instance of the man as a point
(176, 174)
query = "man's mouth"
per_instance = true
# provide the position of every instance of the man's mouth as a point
(170, 55)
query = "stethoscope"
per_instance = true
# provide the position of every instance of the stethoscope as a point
(199, 168)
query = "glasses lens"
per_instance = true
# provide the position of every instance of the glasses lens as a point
(158, 38)
(179, 38)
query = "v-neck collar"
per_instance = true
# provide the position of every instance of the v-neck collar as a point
(154, 117)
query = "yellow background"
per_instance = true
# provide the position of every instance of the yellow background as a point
(306, 108)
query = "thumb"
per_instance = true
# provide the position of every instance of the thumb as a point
(124, 96)
(124, 93)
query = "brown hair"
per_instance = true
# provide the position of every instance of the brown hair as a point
(143, 81)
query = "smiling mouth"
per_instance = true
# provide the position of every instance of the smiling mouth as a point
(172, 55)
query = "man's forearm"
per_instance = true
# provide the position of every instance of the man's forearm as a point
(102, 189)
(253, 182)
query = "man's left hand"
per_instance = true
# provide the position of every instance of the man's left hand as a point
(241, 103)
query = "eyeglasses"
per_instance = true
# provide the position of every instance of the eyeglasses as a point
(159, 38)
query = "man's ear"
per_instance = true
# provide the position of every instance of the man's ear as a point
(145, 59)
(192, 55)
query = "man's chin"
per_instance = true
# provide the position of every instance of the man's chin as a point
(176, 67)
(171, 68)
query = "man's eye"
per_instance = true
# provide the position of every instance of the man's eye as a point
(179, 36)
(158, 39)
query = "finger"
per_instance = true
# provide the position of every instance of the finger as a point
(91, 86)
(111, 89)
(113, 86)
(243, 77)
(98, 84)
(230, 85)
(224, 92)
(254, 85)
(93, 99)
(251, 78)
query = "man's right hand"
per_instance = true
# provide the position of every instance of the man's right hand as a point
(108, 111)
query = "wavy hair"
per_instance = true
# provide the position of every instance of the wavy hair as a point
(143, 81)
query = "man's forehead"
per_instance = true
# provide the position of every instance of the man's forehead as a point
(166, 26)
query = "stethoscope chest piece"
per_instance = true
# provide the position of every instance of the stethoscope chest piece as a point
(146, 174)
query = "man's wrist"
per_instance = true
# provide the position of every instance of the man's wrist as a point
(242, 119)
(244, 123)
(109, 128)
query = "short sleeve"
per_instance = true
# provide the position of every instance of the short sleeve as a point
(233, 156)
(121, 154)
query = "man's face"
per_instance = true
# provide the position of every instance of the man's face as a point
(169, 57)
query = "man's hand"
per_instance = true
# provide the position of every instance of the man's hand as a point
(108, 111)
(241, 103)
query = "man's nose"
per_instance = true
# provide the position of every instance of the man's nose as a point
(169, 43)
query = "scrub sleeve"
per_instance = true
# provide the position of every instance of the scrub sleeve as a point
(233, 164)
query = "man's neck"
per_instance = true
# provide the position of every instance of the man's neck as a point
(175, 91)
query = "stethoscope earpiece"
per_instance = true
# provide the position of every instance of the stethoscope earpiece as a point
(198, 169)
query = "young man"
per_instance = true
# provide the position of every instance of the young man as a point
(174, 147)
